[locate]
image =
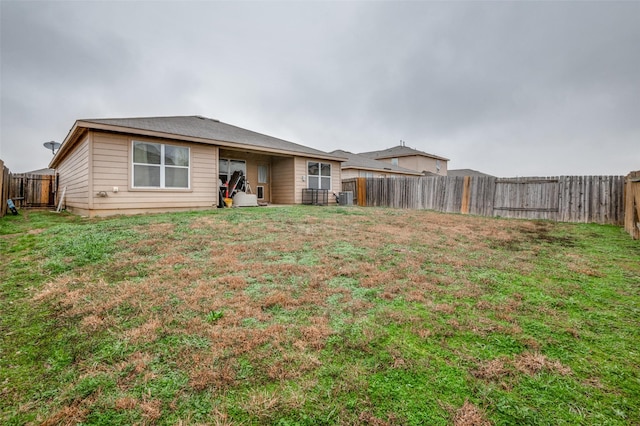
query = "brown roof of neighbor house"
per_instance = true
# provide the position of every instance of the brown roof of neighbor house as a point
(193, 128)
(399, 151)
(465, 172)
(357, 161)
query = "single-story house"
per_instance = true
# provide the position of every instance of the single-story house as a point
(412, 159)
(158, 164)
(360, 166)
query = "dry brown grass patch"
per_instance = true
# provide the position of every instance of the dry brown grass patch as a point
(207, 372)
(126, 403)
(69, 415)
(93, 323)
(444, 308)
(532, 363)
(416, 296)
(421, 332)
(470, 415)
(58, 289)
(529, 363)
(493, 369)
(146, 332)
(316, 334)
(151, 410)
(140, 360)
(469, 290)
(483, 305)
(281, 299)
(233, 282)
(291, 365)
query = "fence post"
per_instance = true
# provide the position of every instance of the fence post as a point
(5, 179)
(466, 195)
(361, 188)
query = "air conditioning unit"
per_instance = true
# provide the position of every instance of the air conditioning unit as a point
(345, 198)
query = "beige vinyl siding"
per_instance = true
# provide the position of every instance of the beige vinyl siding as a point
(110, 163)
(282, 180)
(444, 168)
(350, 173)
(336, 180)
(73, 174)
(421, 163)
(410, 163)
(300, 172)
(112, 168)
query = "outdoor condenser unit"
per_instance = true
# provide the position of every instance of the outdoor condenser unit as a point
(345, 198)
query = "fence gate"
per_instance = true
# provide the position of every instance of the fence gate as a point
(29, 190)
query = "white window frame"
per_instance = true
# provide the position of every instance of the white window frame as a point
(319, 176)
(162, 167)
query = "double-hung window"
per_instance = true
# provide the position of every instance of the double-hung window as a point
(160, 166)
(318, 175)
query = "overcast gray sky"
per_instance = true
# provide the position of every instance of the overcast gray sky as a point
(507, 88)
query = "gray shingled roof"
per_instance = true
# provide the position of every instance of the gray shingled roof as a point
(465, 172)
(399, 151)
(45, 171)
(357, 161)
(207, 128)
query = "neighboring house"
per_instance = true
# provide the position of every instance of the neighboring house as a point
(466, 172)
(137, 165)
(412, 159)
(360, 166)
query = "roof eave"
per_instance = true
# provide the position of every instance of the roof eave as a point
(387, 157)
(69, 141)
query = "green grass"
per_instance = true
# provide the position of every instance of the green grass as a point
(311, 316)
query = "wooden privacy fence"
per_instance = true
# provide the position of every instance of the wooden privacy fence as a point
(565, 198)
(32, 190)
(632, 205)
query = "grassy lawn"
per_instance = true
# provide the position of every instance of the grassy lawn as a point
(317, 315)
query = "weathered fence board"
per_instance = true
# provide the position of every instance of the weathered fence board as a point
(482, 195)
(565, 198)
